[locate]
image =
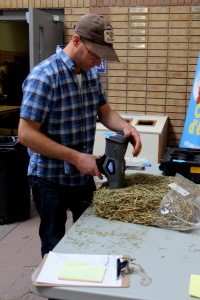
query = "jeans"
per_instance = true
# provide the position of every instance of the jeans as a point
(52, 200)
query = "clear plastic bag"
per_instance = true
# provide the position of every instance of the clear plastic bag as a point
(180, 207)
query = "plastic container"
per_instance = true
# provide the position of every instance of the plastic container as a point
(185, 161)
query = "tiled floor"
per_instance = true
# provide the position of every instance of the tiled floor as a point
(19, 256)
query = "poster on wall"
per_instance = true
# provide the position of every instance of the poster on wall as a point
(191, 130)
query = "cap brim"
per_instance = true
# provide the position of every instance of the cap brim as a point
(105, 52)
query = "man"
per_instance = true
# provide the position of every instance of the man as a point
(62, 98)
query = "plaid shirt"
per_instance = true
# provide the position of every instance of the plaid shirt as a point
(52, 96)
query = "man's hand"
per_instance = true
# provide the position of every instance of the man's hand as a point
(132, 133)
(86, 164)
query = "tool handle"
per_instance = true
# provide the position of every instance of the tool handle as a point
(100, 161)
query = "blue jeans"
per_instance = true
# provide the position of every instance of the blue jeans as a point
(52, 200)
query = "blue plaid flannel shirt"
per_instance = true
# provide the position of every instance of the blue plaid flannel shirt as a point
(51, 96)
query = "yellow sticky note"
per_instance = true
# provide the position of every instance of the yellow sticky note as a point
(194, 288)
(82, 272)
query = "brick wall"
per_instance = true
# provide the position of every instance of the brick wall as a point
(158, 45)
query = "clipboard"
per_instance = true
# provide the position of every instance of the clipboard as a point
(122, 282)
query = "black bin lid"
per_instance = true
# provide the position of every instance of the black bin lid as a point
(8, 141)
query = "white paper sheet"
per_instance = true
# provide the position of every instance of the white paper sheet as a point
(55, 261)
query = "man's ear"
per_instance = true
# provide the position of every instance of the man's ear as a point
(76, 40)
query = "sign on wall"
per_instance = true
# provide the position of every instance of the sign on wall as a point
(191, 131)
(102, 67)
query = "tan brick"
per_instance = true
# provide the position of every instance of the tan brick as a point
(37, 3)
(177, 82)
(117, 100)
(174, 102)
(121, 87)
(177, 61)
(156, 80)
(120, 46)
(61, 3)
(158, 31)
(178, 89)
(155, 101)
(116, 93)
(26, 3)
(139, 60)
(179, 108)
(178, 53)
(156, 88)
(86, 3)
(119, 107)
(158, 60)
(121, 32)
(179, 10)
(138, 94)
(43, 3)
(67, 3)
(117, 80)
(178, 39)
(118, 10)
(158, 17)
(138, 52)
(177, 74)
(123, 59)
(179, 17)
(136, 73)
(158, 74)
(122, 53)
(158, 24)
(136, 87)
(140, 67)
(138, 109)
(158, 10)
(158, 39)
(118, 66)
(135, 100)
(177, 123)
(157, 67)
(120, 73)
(161, 53)
(156, 109)
(194, 46)
(80, 11)
(176, 95)
(118, 18)
(120, 39)
(158, 46)
(119, 25)
(194, 39)
(136, 80)
(179, 24)
(178, 31)
(100, 10)
(49, 3)
(156, 95)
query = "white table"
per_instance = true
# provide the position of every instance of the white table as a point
(169, 258)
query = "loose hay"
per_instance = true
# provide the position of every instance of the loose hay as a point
(136, 202)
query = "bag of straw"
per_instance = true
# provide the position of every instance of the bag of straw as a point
(180, 207)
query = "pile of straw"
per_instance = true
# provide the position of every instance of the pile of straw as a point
(136, 203)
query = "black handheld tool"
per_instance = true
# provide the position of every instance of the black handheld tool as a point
(112, 163)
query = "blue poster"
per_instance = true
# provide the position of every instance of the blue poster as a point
(191, 131)
(102, 67)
